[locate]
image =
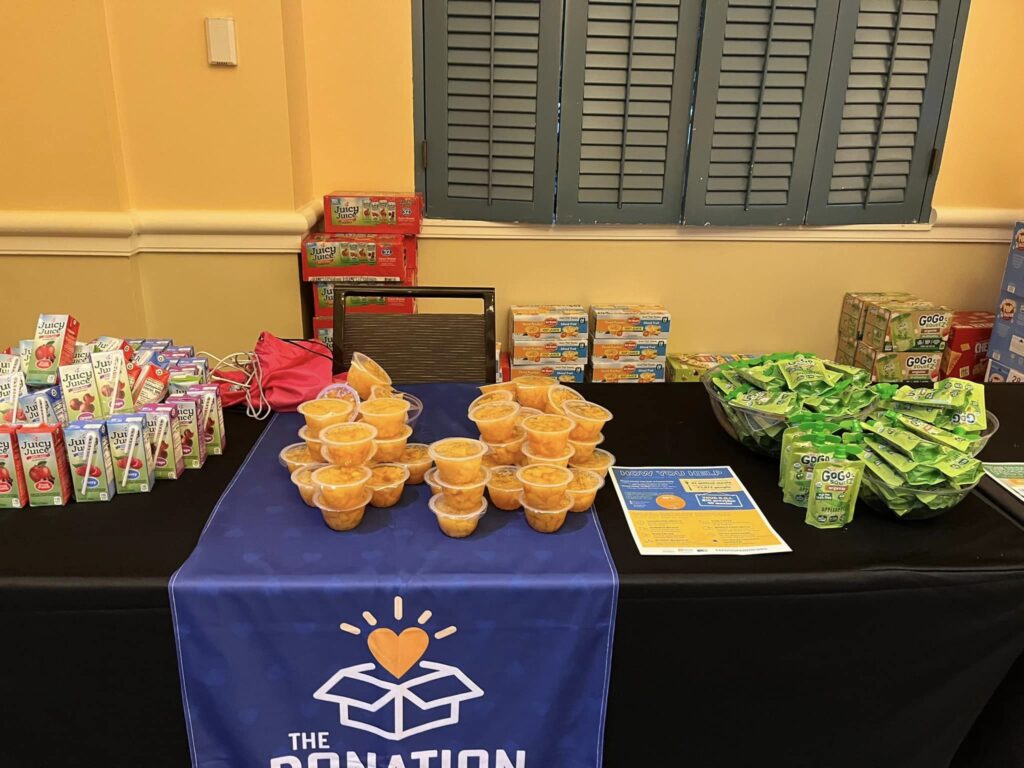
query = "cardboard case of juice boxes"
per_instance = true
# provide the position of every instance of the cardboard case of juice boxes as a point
(1006, 349)
(629, 343)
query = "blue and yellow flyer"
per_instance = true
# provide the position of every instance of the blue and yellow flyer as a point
(693, 511)
(1008, 475)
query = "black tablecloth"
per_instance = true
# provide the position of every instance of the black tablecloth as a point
(873, 646)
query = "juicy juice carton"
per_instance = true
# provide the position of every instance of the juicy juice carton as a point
(112, 343)
(44, 406)
(552, 351)
(129, 450)
(907, 326)
(12, 387)
(149, 381)
(10, 364)
(81, 396)
(547, 321)
(323, 330)
(83, 353)
(193, 446)
(379, 212)
(212, 418)
(111, 372)
(634, 321)
(92, 471)
(53, 346)
(25, 353)
(45, 462)
(349, 257)
(632, 350)
(163, 431)
(13, 491)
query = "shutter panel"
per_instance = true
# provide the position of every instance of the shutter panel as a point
(886, 94)
(491, 100)
(626, 90)
(760, 89)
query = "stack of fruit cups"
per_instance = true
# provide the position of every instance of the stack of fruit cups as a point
(544, 476)
(590, 419)
(458, 483)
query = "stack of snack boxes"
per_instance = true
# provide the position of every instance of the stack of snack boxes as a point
(966, 355)
(691, 367)
(367, 237)
(89, 420)
(630, 342)
(896, 336)
(548, 340)
(1006, 350)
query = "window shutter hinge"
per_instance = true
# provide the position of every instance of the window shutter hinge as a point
(934, 162)
(423, 153)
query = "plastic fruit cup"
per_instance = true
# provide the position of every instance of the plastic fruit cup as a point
(430, 478)
(558, 396)
(548, 433)
(590, 418)
(382, 390)
(341, 487)
(531, 457)
(343, 519)
(497, 396)
(504, 488)
(465, 497)
(501, 386)
(456, 524)
(547, 519)
(349, 445)
(458, 459)
(297, 455)
(599, 462)
(543, 484)
(585, 448)
(416, 458)
(508, 451)
(312, 440)
(340, 391)
(387, 414)
(326, 411)
(496, 421)
(303, 481)
(386, 484)
(583, 489)
(364, 373)
(532, 391)
(391, 448)
(525, 413)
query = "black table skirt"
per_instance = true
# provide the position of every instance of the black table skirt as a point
(874, 646)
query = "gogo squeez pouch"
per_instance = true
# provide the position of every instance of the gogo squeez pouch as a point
(835, 484)
(805, 453)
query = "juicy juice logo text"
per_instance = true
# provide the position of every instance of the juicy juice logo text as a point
(51, 328)
(78, 445)
(35, 447)
(320, 252)
(345, 210)
(78, 379)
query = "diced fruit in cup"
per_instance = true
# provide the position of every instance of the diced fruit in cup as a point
(599, 462)
(465, 497)
(509, 451)
(391, 449)
(496, 396)
(455, 523)
(416, 458)
(501, 386)
(292, 456)
(559, 395)
(544, 485)
(341, 487)
(548, 434)
(387, 414)
(584, 449)
(430, 478)
(531, 457)
(381, 390)
(496, 420)
(525, 413)
(349, 445)
(532, 391)
(458, 459)
(302, 477)
(504, 488)
(387, 483)
(590, 418)
(583, 489)
(547, 520)
(364, 374)
(343, 519)
(322, 413)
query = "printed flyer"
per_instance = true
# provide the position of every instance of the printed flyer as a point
(1008, 475)
(693, 511)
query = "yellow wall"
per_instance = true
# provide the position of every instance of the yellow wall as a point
(109, 105)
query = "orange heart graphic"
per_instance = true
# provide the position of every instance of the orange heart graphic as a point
(398, 653)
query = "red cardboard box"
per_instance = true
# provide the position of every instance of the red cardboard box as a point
(966, 355)
(323, 302)
(381, 212)
(355, 257)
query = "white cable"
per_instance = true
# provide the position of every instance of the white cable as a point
(249, 364)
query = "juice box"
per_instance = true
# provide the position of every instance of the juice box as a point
(158, 344)
(354, 257)
(83, 353)
(855, 305)
(92, 471)
(628, 373)
(689, 368)
(189, 408)
(899, 367)
(53, 346)
(25, 353)
(10, 364)
(907, 326)
(323, 302)
(553, 351)
(12, 387)
(45, 462)
(111, 372)
(323, 330)
(211, 418)
(544, 321)
(378, 212)
(13, 491)
(633, 350)
(181, 378)
(111, 343)
(44, 406)
(966, 355)
(629, 320)
(163, 431)
(129, 450)
(569, 374)
(81, 395)
(149, 381)
(997, 374)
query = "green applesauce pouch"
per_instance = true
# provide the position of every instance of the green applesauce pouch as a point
(804, 454)
(957, 439)
(971, 416)
(936, 398)
(880, 468)
(765, 377)
(902, 439)
(834, 487)
(772, 403)
(912, 472)
(922, 412)
(802, 424)
(960, 468)
(806, 374)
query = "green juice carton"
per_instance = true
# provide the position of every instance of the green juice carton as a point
(12, 388)
(81, 395)
(43, 406)
(163, 431)
(45, 461)
(25, 353)
(129, 450)
(52, 347)
(13, 491)
(907, 326)
(92, 471)
(83, 353)
(193, 446)
(110, 370)
(10, 363)
(211, 418)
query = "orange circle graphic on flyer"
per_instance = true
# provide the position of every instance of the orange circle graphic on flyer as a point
(670, 501)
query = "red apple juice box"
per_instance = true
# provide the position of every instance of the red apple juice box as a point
(13, 491)
(45, 462)
(111, 372)
(92, 470)
(44, 406)
(212, 417)
(129, 451)
(12, 387)
(111, 343)
(149, 380)
(81, 395)
(163, 430)
(53, 346)
(193, 446)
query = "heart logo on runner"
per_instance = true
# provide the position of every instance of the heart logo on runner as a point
(398, 653)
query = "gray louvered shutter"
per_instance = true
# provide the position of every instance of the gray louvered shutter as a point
(760, 89)
(491, 100)
(871, 170)
(627, 78)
